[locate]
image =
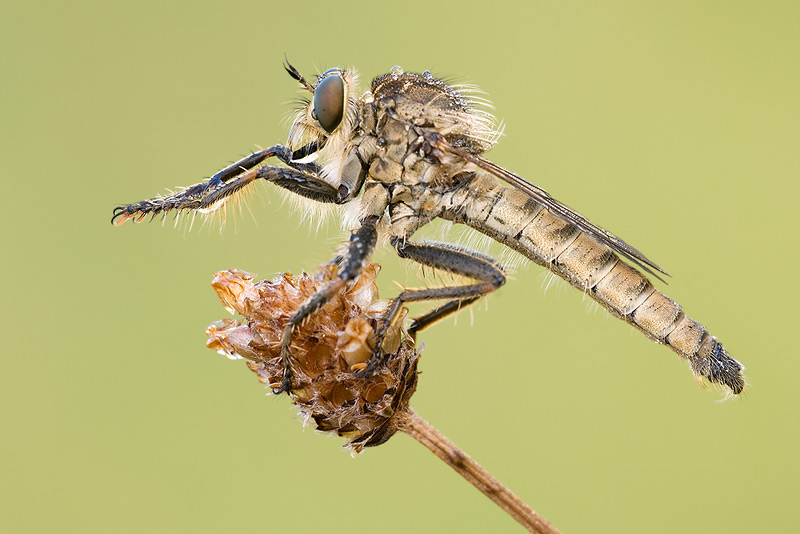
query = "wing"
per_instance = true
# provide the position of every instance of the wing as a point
(554, 206)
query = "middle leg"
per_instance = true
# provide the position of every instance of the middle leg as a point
(362, 244)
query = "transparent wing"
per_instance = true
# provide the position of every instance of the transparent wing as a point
(554, 206)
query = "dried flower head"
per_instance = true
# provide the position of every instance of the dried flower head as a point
(327, 347)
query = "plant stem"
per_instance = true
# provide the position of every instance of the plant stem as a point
(413, 425)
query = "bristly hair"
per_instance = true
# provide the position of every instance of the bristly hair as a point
(486, 128)
(468, 115)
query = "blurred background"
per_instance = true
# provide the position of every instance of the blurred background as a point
(673, 124)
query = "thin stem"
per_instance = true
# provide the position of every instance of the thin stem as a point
(425, 433)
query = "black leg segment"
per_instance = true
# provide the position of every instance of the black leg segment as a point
(446, 257)
(300, 178)
(301, 183)
(362, 244)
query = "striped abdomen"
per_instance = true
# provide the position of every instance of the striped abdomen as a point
(512, 218)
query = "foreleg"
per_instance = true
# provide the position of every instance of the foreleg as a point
(300, 178)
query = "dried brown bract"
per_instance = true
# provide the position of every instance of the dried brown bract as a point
(328, 346)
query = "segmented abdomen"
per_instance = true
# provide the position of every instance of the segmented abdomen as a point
(511, 217)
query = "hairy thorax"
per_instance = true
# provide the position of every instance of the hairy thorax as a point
(403, 175)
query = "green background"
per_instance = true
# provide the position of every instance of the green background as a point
(673, 124)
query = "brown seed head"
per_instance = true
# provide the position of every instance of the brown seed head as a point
(327, 347)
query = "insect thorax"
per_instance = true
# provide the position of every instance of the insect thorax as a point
(403, 107)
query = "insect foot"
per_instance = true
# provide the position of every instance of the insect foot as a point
(327, 346)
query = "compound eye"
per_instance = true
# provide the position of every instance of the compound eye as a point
(329, 102)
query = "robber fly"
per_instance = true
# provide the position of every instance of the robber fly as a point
(410, 150)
